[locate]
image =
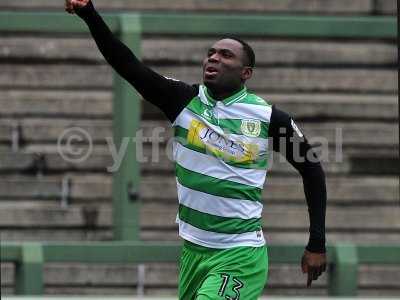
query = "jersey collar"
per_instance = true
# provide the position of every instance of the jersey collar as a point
(227, 101)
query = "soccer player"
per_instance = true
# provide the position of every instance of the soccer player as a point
(222, 132)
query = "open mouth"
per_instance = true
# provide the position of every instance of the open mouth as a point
(210, 71)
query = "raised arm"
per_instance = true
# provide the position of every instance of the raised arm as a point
(290, 142)
(171, 96)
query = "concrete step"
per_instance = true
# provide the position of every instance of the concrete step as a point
(274, 79)
(161, 216)
(192, 50)
(48, 131)
(94, 104)
(351, 190)
(352, 161)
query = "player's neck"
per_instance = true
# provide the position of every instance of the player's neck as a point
(220, 95)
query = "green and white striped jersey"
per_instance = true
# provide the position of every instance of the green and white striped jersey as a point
(220, 151)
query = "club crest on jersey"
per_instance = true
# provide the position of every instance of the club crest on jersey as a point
(207, 114)
(251, 128)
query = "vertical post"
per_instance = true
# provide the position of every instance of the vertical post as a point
(126, 117)
(343, 275)
(29, 271)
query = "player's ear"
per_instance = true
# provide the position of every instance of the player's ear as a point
(247, 72)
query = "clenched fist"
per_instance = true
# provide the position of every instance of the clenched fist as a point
(71, 5)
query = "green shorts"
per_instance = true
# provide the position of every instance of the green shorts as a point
(235, 273)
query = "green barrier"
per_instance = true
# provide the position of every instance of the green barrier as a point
(276, 25)
(126, 116)
(205, 24)
(387, 254)
(343, 259)
(112, 252)
(343, 277)
(29, 270)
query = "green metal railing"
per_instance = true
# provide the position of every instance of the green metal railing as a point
(215, 24)
(126, 117)
(30, 258)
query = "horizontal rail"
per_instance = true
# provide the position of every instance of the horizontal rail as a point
(30, 258)
(378, 254)
(131, 252)
(112, 252)
(283, 25)
(206, 24)
(10, 252)
(49, 22)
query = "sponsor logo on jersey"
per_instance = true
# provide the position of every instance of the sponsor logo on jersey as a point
(219, 145)
(251, 128)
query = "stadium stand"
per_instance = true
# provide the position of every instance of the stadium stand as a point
(50, 82)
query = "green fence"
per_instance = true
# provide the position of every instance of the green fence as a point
(30, 257)
(215, 24)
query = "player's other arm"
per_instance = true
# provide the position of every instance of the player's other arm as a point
(290, 142)
(154, 87)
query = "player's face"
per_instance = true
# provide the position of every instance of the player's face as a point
(223, 67)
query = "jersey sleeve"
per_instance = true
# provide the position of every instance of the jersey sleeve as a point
(170, 95)
(290, 142)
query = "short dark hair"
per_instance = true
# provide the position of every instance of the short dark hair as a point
(251, 58)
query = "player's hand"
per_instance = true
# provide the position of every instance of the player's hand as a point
(71, 5)
(314, 264)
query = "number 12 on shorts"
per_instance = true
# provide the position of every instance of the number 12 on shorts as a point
(237, 285)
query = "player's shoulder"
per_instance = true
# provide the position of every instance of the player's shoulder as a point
(256, 100)
(176, 81)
